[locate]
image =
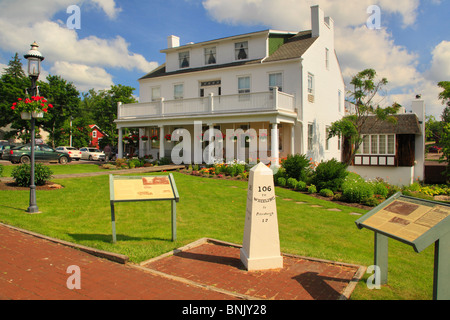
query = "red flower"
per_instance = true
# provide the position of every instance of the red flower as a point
(45, 110)
(15, 104)
(50, 105)
(13, 107)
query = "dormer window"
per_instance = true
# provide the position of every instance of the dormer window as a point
(183, 57)
(210, 55)
(241, 50)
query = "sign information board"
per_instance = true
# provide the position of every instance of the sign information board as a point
(142, 188)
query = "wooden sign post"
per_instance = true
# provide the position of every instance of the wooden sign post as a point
(261, 245)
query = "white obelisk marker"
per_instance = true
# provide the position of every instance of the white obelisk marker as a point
(261, 245)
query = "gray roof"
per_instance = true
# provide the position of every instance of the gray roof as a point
(294, 48)
(407, 123)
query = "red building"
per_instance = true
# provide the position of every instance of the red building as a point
(96, 135)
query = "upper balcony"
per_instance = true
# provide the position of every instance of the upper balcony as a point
(212, 105)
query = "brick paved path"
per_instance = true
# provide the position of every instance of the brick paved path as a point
(35, 269)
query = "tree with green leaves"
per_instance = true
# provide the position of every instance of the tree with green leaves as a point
(65, 99)
(365, 95)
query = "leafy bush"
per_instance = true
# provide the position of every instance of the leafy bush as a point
(371, 202)
(281, 173)
(312, 189)
(292, 183)
(379, 188)
(296, 166)
(281, 182)
(357, 191)
(326, 193)
(1, 170)
(164, 161)
(330, 175)
(22, 175)
(301, 185)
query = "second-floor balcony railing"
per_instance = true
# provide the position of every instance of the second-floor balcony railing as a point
(248, 102)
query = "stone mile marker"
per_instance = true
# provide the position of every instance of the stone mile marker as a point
(261, 244)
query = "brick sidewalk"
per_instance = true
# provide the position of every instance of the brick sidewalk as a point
(33, 268)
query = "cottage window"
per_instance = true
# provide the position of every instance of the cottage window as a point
(327, 58)
(383, 144)
(94, 134)
(178, 91)
(183, 58)
(210, 55)
(241, 50)
(276, 80)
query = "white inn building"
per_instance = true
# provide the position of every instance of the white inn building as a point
(282, 80)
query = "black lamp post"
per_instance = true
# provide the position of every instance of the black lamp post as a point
(34, 58)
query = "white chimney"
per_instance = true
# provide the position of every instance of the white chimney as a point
(173, 41)
(317, 20)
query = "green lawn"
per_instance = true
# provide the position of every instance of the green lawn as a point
(214, 208)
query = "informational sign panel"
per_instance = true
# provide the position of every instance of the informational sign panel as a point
(418, 223)
(143, 188)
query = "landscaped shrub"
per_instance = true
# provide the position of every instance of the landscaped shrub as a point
(292, 183)
(281, 182)
(301, 185)
(326, 193)
(164, 161)
(1, 170)
(357, 191)
(296, 166)
(281, 173)
(22, 175)
(379, 188)
(371, 202)
(312, 189)
(330, 175)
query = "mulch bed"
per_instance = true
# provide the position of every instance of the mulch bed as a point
(13, 186)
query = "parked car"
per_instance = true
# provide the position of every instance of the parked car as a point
(92, 154)
(22, 154)
(74, 153)
(434, 149)
(4, 151)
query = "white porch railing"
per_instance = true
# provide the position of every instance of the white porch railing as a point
(253, 102)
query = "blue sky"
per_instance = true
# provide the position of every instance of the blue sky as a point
(119, 40)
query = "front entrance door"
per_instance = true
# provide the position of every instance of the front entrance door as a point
(208, 87)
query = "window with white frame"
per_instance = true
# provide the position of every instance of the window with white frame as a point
(241, 50)
(156, 93)
(310, 83)
(310, 136)
(210, 55)
(178, 91)
(381, 144)
(183, 58)
(276, 80)
(243, 85)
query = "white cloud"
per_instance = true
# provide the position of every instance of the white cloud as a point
(25, 21)
(84, 76)
(440, 64)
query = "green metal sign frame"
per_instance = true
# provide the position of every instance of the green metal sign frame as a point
(437, 233)
(172, 196)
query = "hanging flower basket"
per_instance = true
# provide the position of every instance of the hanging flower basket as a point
(34, 107)
(168, 137)
(144, 138)
(154, 138)
(263, 137)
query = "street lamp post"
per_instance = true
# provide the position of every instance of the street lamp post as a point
(34, 58)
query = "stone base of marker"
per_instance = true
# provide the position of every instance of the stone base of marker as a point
(261, 245)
